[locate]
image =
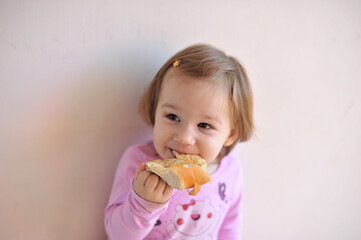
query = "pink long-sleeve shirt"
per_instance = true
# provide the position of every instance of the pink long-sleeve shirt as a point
(214, 213)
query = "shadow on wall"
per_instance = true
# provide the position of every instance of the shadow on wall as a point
(91, 119)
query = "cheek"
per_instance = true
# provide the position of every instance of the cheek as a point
(160, 132)
(211, 148)
(157, 124)
(158, 139)
(156, 132)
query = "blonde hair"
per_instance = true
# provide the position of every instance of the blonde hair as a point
(202, 60)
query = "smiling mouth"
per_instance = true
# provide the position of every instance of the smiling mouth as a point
(181, 153)
(195, 217)
(174, 155)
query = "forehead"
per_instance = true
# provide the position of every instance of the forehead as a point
(176, 78)
(205, 94)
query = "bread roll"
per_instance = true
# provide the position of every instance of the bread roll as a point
(182, 172)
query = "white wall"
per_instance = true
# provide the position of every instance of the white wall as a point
(72, 73)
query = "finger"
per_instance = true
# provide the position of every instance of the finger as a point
(167, 190)
(160, 187)
(152, 181)
(140, 168)
(142, 177)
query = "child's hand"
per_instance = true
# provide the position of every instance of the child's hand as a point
(151, 187)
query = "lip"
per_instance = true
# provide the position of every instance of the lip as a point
(175, 150)
(171, 152)
(180, 152)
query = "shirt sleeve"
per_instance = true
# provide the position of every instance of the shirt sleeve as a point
(127, 215)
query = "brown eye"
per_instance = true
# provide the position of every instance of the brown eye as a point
(173, 117)
(204, 125)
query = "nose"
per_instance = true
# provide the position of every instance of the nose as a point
(185, 136)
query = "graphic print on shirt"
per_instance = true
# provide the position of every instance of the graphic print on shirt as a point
(193, 220)
(222, 190)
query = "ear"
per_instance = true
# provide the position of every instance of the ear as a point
(233, 136)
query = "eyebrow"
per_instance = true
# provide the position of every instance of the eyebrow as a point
(213, 118)
(208, 117)
(168, 105)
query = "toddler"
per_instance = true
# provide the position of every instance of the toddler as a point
(199, 102)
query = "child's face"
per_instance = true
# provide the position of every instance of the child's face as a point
(192, 117)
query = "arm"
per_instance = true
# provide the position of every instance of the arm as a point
(128, 215)
(131, 219)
